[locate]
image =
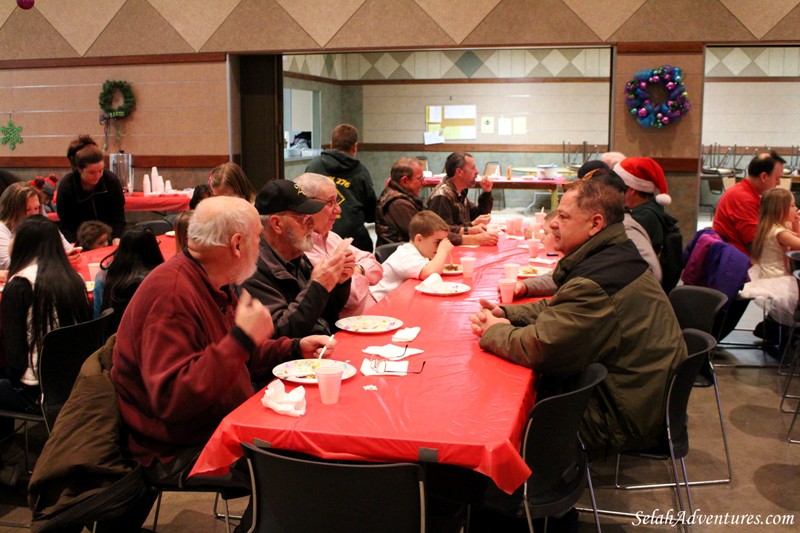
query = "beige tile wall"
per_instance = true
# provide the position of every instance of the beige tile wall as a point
(555, 112)
(181, 109)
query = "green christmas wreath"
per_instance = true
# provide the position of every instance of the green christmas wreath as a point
(110, 113)
(110, 88)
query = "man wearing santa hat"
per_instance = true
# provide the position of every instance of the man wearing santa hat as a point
(646, 196)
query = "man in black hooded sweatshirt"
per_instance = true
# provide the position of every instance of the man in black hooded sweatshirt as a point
(353, 182)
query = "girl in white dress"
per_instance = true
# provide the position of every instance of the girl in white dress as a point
(772, 282)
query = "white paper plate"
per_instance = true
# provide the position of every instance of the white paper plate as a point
(445, 288)
(368, 324)
(302, 370)
(457, 270)
(523, 273)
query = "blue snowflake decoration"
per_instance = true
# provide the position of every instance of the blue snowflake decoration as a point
(11, 134)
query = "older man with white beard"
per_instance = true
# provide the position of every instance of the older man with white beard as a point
(302, 299)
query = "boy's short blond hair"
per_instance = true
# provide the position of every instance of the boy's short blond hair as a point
(426, 223)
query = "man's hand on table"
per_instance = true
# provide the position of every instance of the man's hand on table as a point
(520, 290)
(482, 220)
(489, 315)
(310, 346)
(486, 239)
(254, 319)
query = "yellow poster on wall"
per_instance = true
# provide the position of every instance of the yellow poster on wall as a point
(457, 121)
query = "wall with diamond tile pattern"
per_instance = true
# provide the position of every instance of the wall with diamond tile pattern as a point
(89, 28)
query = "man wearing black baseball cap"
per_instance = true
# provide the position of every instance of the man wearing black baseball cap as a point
(300, 297)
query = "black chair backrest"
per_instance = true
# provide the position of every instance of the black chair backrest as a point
(794, 259)
(383, 251)
(699, 345)
(158, 227)
(291, 494)
(64, 350)
(696, 307)
(550, 445)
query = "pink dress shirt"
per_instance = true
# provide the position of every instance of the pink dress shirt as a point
(360, 298)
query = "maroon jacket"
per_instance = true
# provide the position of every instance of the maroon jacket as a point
(180, 363)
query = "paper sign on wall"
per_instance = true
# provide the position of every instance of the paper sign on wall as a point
(487, 124)
(457, 121)
(504, 126)
(520, 125)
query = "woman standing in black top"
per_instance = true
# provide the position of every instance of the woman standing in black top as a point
(89, 192)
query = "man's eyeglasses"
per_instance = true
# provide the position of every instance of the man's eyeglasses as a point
(379, 366)
(331, 202)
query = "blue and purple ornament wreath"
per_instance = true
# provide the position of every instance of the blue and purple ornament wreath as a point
(649, 113)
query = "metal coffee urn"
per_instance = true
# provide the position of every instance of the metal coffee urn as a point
(122, 165)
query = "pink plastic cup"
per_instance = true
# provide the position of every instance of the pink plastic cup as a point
(510, 270)
(507, 290)
(329, 378)
(468, 266)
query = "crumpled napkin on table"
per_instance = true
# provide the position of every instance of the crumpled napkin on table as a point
(432, 280)
(405, 334)
(276, 398)
(390, 351)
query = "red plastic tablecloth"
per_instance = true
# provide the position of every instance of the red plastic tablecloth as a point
(467, 405)
(165, 202)
(166, 244)
(516, 182)
(140, 202)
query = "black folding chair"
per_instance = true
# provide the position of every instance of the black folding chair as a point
(674, 443)
(698, 308)
(383, 251)
(553, 451)
(292, 494)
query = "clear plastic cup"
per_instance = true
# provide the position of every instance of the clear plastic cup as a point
(540, 216)
(329, 378)
(468, 266)
(510, 270)
(507, 290)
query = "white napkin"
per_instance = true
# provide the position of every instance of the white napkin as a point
(545, 260)
(393, 368)
(432, 280)
(390, 351)
(292, 404)
(405, 334)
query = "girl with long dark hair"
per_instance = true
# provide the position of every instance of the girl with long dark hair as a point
(43, 293)
(123, 271)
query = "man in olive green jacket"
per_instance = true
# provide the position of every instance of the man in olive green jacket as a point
(610, 309)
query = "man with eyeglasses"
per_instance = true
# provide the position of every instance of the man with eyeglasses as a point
(368, 270)
(302, 299)
(399, 202)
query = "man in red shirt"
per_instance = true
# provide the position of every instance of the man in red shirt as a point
(736, 219)
(737, 212)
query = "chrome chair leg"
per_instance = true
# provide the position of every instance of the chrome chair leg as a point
(158, 509)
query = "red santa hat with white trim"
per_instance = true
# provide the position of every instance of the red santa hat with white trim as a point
(643, 174)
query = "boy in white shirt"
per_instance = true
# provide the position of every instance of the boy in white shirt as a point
(426, 254)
